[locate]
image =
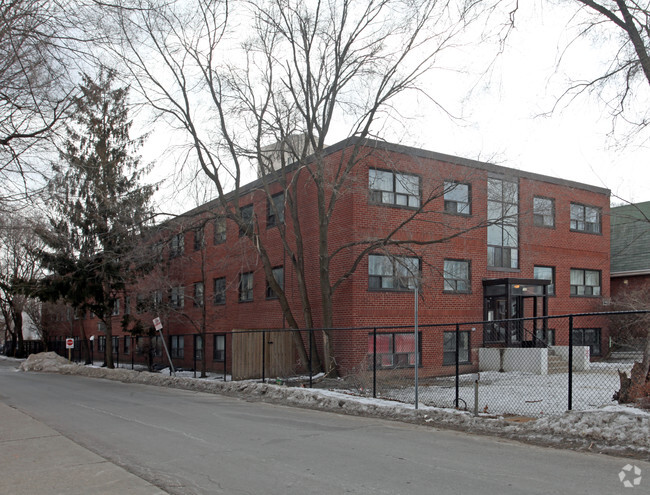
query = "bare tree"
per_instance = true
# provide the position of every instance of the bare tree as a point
(44, 44)
(18, 266)
(306, 71)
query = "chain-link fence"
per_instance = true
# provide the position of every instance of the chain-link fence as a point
(528, 366)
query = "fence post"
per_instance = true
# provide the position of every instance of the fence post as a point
(374, 363)
(310, 336)
(263, 356)
(457, 357)
(225, 355)
(570, 404)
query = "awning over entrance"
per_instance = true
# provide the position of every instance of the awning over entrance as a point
(507, 302)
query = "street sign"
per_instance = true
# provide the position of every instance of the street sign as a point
(157, 324)
(69, 343)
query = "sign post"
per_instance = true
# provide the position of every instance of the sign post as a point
(69, 344)
(158, 326)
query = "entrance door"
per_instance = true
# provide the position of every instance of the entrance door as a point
(508, 332)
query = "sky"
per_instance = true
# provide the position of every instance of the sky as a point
(503, 115)
(503, 122)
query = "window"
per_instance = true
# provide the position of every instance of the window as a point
(246, 287)
(177, 245)
(156, 298)
(140, 303)
(116, 345)
(101, 343)
(198, 294)
(449, 348)
(116, 307)
(177, 346)
(278, 275)
(177, 297)
(588, 337)
(198, 347)
(392, 272)
(502, 233)
(79, 313)
(394, 350)
(543, 212)
(157, 251)
(456, 275)
(220, 290)
(219, 348)
(198, 238)
(127, 305)
(457, 198)
(275, 210)
(248, 219)
(127, 344)
(393, 188)
(220, 230)
(546, 273)
(585, 218)
(585, 282)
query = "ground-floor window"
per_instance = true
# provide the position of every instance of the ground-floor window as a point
(198, 347)
(219, 348)
(177, 344)
(394, 350)
(127, 344)
(449, 348)
(101, 343)
(588, 337)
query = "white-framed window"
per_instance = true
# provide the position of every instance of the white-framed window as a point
(394, 350)
(177, 346)
(456, 276)
(394, 188)
(127, 305)
(198, 347)
(588, 337)
(116, 307)
(449, 348)
(546, 273)
(275, 210)
(543, 212)
(219, 347)
(156, 298)
(393, 272)
(457, 197)
(177, 297)
(220, 230)
(278, 275)
(177, 245)
(248, 219)
(585, 282)
(503, 231)
(585, 218)
(246, 287)
(199, 290)
(198, 238)
(220, 290)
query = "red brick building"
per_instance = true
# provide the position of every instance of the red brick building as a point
(486, 243)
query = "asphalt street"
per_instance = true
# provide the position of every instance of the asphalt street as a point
(195, 443)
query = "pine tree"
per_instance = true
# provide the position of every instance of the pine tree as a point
(99, 208)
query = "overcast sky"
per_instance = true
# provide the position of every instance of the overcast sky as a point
(502, 122)
(501, 116)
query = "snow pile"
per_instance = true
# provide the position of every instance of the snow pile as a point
(45, 361)
(611, 428)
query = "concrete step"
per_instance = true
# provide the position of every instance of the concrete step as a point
(556, 365)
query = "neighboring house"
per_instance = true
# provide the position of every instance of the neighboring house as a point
(545, 251)
(630, 252)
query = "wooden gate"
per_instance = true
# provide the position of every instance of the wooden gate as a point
(257, 351)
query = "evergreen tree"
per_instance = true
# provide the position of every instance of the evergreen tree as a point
(98, 208)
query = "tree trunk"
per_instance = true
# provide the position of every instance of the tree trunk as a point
(108, 348)
(636, 387)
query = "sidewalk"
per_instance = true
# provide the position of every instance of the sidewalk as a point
(35, 459)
